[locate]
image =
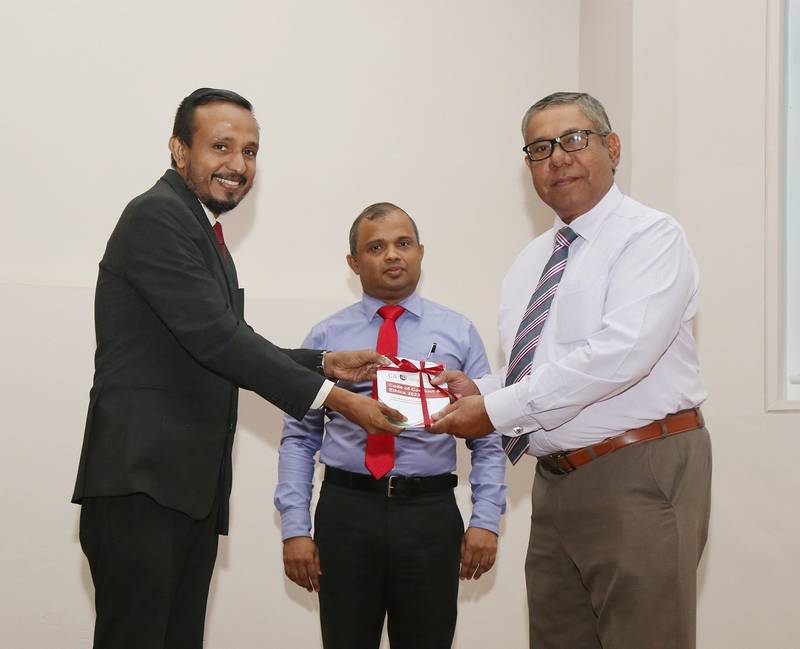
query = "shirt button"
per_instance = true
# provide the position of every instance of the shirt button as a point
(517, 430)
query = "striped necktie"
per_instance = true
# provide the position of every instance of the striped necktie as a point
(519, 365)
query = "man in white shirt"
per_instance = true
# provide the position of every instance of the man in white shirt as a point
(602, 386)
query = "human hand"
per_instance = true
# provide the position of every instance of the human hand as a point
(301, 562)
(465, 418)
(359, 365)
(373, 416)
(478, 551)
(457, 382)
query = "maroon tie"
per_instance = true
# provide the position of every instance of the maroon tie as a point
(218, 231)
(380, 448)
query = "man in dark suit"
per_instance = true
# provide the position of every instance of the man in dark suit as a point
(172, 350)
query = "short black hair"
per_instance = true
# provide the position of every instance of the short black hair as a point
(376, 211)
(183, 128)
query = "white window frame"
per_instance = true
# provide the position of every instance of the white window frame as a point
(775, 187)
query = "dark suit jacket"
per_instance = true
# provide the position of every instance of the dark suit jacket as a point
(172, 350)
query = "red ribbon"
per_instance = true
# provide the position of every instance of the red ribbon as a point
(405, 365)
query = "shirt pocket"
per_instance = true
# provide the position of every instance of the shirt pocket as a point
(579, 311)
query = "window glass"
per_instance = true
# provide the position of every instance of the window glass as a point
(792, 199)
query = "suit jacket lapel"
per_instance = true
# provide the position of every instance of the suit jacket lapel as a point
(174, 180)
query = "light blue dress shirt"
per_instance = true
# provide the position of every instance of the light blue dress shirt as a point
(341, 443)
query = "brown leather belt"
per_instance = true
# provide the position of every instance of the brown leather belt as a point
(568, 461)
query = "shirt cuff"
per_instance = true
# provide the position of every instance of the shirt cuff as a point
(506, 410)
(488, 384)
(295, 522)
(324, 391)
(486, 515)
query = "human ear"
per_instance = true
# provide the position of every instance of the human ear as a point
(352, 261)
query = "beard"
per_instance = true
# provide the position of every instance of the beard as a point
(215, 205)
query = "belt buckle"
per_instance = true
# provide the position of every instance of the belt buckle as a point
(554, 466)
(391, 486)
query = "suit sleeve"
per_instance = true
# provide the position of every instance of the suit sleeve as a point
(166, 266)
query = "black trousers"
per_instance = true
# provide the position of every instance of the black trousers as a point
(387, 557)
(151, 567)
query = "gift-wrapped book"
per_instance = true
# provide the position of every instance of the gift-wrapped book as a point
(406, 386)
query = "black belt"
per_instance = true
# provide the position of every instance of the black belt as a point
(392, 486)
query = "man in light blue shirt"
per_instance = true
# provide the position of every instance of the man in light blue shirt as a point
(393, 546)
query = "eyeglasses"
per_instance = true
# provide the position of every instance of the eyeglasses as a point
(569, 142)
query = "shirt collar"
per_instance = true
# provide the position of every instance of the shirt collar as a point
(412, 304)
(211, 218)
(587, 224)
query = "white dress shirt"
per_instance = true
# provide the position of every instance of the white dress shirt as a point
(617, 350)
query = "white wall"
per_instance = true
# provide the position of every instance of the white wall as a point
(751, 581)
(416, 102)
(700, 68)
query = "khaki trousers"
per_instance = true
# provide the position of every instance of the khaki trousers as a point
(614, 547)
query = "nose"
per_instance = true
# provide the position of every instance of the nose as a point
(236, 163)
(559, 157)
(392, 252)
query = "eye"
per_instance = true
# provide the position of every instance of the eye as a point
(540, 147)
(250, 152)
(573, 138)
(375, 247)
(219, 146)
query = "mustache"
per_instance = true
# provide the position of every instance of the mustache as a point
(234, 177)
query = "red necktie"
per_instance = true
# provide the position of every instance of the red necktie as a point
(218, 231)
(380, 448)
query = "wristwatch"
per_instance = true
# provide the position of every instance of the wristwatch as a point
(321, 363)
